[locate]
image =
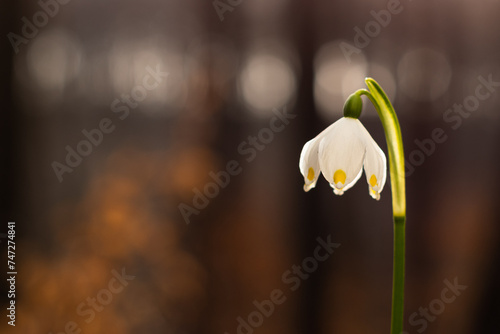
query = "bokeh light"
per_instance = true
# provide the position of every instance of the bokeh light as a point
(335, 79)
(54, 59)
(268, 79)
(131, 61)
(424, 74)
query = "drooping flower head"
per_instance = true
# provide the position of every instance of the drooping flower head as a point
(341, 151)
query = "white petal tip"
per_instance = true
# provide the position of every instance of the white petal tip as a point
(338, 191)
(308, 187)
(337, 188)
(375, 194)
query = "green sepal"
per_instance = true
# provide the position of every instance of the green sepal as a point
(353, 106)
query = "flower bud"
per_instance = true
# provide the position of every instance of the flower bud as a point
(353, 106)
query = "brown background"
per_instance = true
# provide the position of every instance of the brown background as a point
(119, 207)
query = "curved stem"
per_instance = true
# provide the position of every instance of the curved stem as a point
(394, 140)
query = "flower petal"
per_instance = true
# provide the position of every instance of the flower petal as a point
(341, 154)
(375, 167)
(308, 164)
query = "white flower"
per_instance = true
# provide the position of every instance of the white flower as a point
(340, 152)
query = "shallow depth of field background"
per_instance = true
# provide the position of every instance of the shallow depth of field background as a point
(227, 79)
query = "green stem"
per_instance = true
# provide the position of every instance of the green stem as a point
(394, 140)
(398, 279)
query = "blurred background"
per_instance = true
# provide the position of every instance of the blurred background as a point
(116, 115)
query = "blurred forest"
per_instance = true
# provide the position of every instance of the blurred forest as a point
(150, 161)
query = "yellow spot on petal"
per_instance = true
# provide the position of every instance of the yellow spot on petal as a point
(310, 174)
(373, 180)
(339, 176)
